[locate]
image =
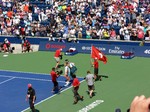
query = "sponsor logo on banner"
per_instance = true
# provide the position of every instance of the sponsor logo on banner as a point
(87, 48)
(54, 46)
(143, 51)
(147, 51)
(116, 50)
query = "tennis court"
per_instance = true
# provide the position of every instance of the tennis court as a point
(126, 79)
(14, 86)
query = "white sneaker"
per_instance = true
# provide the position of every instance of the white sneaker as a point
(67, 83)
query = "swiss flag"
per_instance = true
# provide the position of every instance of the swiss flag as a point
(96, 53)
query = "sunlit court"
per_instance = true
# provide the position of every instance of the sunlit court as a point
(125, 79)
(14, 87)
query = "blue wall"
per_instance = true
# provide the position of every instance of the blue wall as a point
(37, 40)
(84, 46)
(141, 51)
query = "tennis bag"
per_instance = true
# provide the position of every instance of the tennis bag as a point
(73, 69)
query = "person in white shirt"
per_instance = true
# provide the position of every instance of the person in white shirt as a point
(67, 73)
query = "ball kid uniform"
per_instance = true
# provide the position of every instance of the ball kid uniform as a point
(57, 54)
(96, 66)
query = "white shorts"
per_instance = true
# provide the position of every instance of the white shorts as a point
(57, 59)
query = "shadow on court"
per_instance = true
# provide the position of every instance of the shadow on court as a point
(94, 93)
(37, 110)
(99, 78)
(61, 65)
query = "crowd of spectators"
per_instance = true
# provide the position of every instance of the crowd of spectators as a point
(73, 19)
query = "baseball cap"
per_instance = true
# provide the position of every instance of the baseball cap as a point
(29, 85)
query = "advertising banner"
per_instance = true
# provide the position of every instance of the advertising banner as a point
(142, 51)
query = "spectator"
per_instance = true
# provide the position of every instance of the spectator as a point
(91, 14)
(113, 34)
(106, 34)
(140, 34)
(140, 104)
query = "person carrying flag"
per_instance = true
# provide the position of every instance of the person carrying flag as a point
(95, 64)
(96, 54)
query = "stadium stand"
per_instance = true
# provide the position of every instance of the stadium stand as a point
(87, 19)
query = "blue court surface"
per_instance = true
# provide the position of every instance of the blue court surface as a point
(13, 89)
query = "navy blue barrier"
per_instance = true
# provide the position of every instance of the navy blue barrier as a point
(36, 40)
(32, 40)
(143, 51)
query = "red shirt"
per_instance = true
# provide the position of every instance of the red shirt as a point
(53, 75)
(75, 82)
(96, 65)
(57, 53)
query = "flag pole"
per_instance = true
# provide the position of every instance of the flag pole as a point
(91, 62)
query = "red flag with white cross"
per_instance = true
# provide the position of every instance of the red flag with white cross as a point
(96, 53)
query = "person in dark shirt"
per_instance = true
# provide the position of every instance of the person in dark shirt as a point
(31, 97)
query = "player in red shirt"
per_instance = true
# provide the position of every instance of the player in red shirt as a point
(54, 77)
(75, 89)
(57, 57)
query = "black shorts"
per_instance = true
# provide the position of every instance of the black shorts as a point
(96, 71)
(91, 87)
(55, 83)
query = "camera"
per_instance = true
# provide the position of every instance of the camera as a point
(59, 72)
(61, 56)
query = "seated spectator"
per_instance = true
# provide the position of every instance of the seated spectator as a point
(72, 36)
(126, 34)
(88, 33)
(105, 34)
(113, 34)
(140, 34)
(147, 35)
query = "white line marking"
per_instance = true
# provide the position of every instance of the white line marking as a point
(49, 97)
(32, 73)
(91, 106)
(27, 78)
(7, 80)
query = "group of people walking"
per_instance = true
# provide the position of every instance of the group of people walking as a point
(70, 75)
(71, 78)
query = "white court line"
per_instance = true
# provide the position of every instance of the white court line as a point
(32, 73)
(7, 80)
(27, 78)
(49, 97)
